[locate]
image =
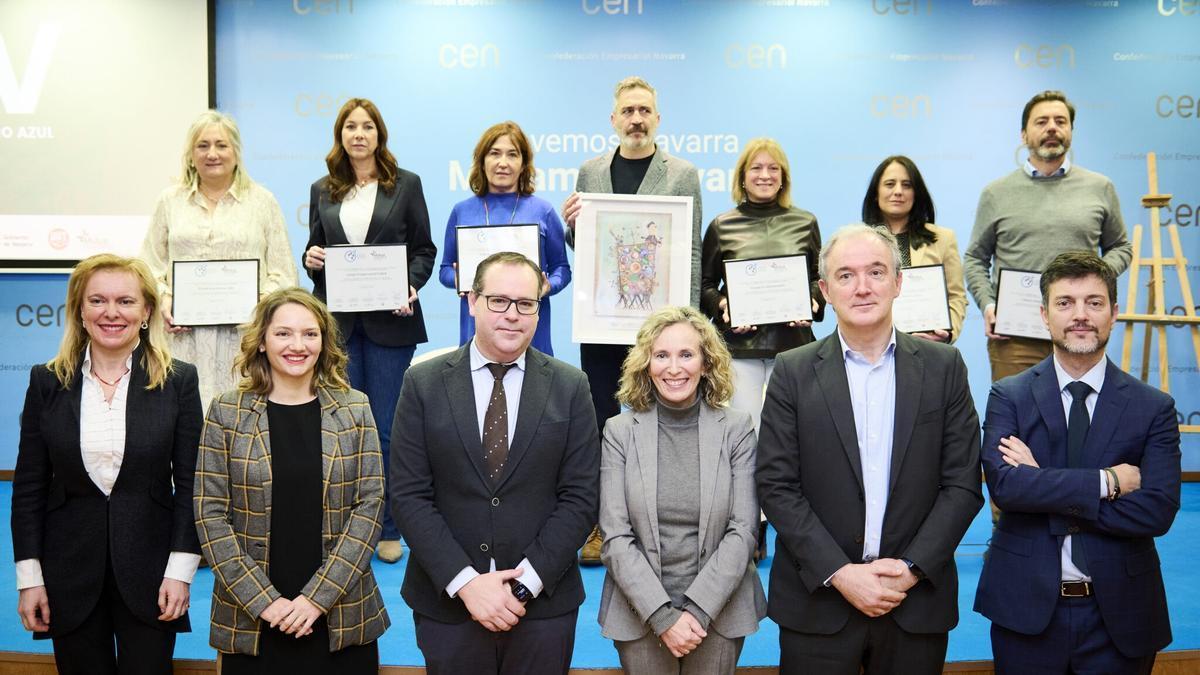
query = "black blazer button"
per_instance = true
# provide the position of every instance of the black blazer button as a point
(1073, 529)
(483, 547)
(495, 501)
(858, 539)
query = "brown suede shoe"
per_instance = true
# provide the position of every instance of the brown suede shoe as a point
(589, 556)
(389, 551)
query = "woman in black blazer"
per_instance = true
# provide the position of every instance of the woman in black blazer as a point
(367, 199)
(102, 522)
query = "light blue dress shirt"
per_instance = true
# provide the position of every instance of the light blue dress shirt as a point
(873, 398)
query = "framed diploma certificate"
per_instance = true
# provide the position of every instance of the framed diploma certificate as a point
(767, 290)
(923, 304)
(213, 292)
(366, 278)
(1019, 305)
(476, 242)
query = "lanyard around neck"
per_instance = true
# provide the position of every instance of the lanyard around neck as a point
(487, 215)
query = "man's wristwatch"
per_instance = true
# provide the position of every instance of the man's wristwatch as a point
(912, 567)
(519, 591)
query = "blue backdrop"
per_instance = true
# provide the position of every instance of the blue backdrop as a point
(839, 84)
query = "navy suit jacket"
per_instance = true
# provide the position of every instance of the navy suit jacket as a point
(542, 507)
(1132, 423)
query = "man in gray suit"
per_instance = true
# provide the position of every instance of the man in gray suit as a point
(494, 525)
(637, 166)
(868, 466)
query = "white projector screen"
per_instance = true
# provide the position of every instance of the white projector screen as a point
(95, 100)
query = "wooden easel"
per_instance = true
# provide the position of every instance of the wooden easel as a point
(1156, 319)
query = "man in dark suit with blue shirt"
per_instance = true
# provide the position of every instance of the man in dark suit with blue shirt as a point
(495, 485)
(1083, 461)
(868, 467)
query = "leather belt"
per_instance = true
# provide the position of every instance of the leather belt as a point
(1075, 589)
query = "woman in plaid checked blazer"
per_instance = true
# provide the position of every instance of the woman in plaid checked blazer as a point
(289, 499)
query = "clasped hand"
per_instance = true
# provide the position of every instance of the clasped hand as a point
(293, 617)
(874, 588)
(491, 602)
(684, 637)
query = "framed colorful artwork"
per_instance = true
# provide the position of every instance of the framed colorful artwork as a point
(633, 255)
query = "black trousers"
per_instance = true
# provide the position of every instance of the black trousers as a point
(532, 647)
(876, 646)
(141, 649)
(602, 365)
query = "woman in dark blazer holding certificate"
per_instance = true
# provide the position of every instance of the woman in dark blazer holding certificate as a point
(101, 507)
(677, 505)
(898, 200)
(288, 495)
(367, 199)
(502, 179)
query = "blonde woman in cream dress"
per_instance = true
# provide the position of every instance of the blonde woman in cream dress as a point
(215, 212)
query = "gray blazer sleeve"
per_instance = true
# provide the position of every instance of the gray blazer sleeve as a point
(622, 552)
(724, 570)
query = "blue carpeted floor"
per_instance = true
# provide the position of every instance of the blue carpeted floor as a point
(969, 641)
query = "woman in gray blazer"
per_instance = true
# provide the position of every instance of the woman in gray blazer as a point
(677, 505)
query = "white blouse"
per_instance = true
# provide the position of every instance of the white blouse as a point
(356, 211)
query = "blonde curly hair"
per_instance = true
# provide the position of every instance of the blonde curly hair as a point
(716, 382)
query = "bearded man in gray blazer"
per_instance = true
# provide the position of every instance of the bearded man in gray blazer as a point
(494, 484)
(868, 466)
(637, 166)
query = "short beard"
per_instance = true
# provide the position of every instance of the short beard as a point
(1080, 349)
(1047, 154)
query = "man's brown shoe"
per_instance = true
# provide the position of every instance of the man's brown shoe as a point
(389, 550)
(589, 556)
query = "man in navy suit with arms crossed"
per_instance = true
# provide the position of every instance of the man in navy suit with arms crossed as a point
(1083, 461)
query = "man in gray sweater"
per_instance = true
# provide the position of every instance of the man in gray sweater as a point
(1031, 215)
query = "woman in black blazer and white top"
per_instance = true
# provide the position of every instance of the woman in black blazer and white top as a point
(367, 199)
(102, 522)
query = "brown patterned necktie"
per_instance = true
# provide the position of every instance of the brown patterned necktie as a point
(495, 423)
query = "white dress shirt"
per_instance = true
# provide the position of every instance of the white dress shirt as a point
(1094, 378)
(483, 381)
(102, 444)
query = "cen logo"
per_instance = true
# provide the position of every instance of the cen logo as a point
(612, 7)
(755, 56)
(469, 56)
(1183, 7)
(322, 7)
(901, 107)
(902, 6)
(1179, 106)
(1183, 215)
(1044, 56)
(318, 104)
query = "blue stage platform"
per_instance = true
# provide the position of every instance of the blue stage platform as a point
(968, 642)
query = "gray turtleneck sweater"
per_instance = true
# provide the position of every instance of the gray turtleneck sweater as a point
(678, 511)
